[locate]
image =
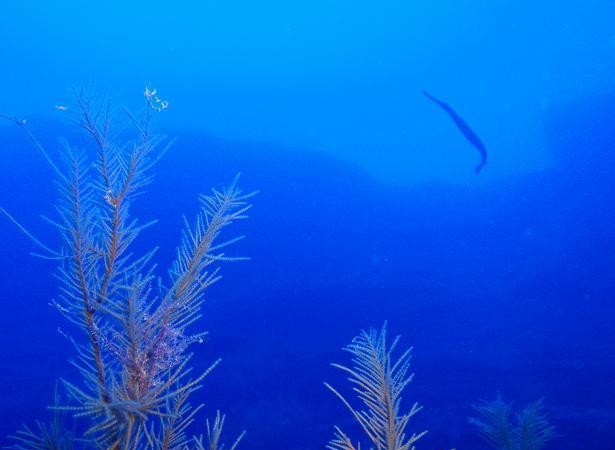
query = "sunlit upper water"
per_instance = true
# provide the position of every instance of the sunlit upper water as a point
(343, 77)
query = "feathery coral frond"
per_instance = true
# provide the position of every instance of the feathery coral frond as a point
(133, 353)
(531, 431)
(214, 433)
(52, 436)
(533, 427)
(341, 442)
(379, 381)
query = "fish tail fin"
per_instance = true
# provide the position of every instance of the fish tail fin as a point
(478, 168)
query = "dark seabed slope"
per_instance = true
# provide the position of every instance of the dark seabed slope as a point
(500, 287)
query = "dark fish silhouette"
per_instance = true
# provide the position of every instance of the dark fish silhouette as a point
(464, 128)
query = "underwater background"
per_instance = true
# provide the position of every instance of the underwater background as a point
(369, 208)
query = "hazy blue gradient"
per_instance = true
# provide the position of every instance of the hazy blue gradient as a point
(337, 76)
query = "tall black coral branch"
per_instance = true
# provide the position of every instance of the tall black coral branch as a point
(531, 429)
(379, 380)
(134, 360)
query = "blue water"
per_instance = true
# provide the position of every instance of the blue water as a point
(369, 209)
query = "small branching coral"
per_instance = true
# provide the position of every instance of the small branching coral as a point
(136, 331)
(531, 430)
(47, 436)
(379, 380)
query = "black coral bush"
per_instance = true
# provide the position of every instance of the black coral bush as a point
(135, 329)
(531, 429)
(379, 379)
